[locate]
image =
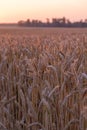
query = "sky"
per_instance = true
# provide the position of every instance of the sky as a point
(15, 10)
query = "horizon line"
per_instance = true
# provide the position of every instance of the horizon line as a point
(15, 22)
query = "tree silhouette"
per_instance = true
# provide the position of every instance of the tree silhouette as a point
(56, 22)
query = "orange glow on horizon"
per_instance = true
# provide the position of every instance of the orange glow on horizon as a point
(15, 10)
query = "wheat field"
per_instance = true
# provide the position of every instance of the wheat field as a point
(43, 79)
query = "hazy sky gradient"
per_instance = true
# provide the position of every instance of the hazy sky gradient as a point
(15, 10)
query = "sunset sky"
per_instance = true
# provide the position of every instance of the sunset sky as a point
(15, 10)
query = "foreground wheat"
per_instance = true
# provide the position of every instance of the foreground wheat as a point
(43, 81)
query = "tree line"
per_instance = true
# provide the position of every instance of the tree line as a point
(55, 22)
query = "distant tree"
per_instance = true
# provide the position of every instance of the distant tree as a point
(64, 20)
(85, 20)
(20, 23)
(28, 22)
(48, 21)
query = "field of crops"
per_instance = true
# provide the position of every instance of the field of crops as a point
(43, 79)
